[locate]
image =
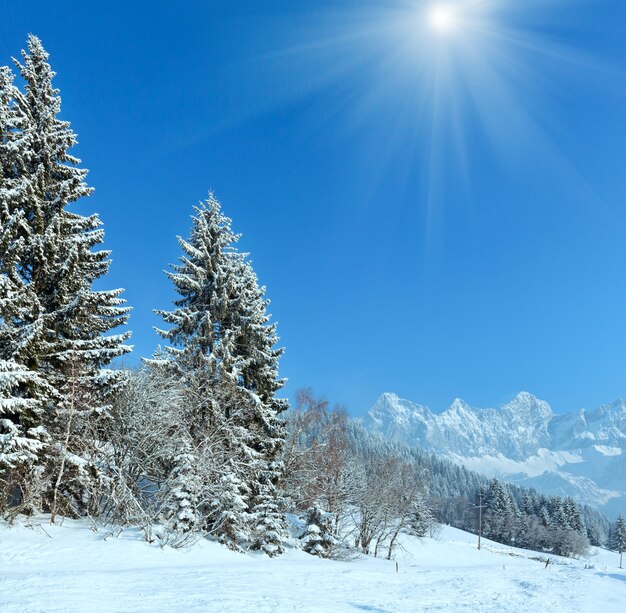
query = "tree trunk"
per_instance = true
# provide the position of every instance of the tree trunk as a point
(392, 543)
(66, 442)
(53, 510)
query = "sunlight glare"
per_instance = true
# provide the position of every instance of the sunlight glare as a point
(443, 18)
(434, 81)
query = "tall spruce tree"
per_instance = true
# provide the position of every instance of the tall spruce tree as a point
(618, 537)
(51, 320)
(501, 513)
(224, 346)
(573, 515)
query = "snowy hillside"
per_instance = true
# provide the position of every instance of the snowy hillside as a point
(71, 568)
(580, 454)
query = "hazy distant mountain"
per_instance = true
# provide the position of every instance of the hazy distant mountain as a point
(582, 454)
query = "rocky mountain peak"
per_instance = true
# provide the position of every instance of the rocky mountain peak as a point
(582, 453)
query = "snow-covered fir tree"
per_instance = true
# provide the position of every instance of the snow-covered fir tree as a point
(500, 513)
(223, 347)
(421, 519)
(318, 539)
(227, 467)
(62, 257)
(21, 432)
(267, 505)
(22, 437)
(185, 492)
(573, 515)
(255, 342)
(618, 537)
(228, 509)
(51, 320)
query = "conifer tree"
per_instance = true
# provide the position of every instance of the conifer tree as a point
(558, 517)
(185, 489)
(501, 515)
(618, 537)
(255, 340)
(228, 466)
(318, 539)
(17, 300)
(267, 507)
(421, 519)
(222, 346)
(51, 320)
(228, 509)
(573, 515)
(62, 265)
(22, 437)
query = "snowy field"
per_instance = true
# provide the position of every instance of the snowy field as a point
(72, 568)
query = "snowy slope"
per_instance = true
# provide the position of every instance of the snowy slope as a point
(582, 454)
(70, 568)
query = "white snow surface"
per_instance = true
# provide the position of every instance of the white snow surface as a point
(534, 466)
(608, 451)
(71, 568)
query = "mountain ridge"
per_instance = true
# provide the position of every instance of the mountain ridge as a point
(581, 453)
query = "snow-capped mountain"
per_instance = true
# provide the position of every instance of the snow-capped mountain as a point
(582, 454)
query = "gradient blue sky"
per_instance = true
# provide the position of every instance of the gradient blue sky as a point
(438, 216)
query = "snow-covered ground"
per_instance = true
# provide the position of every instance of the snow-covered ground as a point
(72, 568)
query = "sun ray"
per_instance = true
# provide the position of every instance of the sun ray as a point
(441, 73)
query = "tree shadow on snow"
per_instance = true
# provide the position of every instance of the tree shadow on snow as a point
(367, 607)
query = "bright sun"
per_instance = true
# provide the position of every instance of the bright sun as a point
(443, 18)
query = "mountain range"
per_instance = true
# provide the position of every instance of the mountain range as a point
(580, 454)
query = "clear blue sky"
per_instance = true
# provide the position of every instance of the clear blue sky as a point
(438, 214)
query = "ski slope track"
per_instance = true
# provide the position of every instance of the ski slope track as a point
(71, 568)
(580, 454)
